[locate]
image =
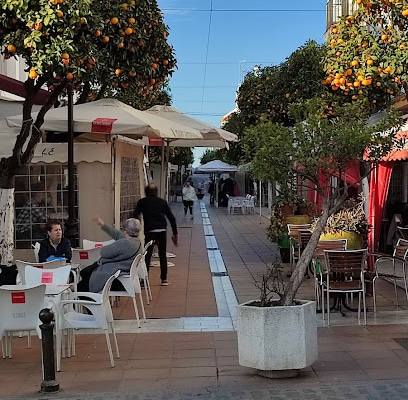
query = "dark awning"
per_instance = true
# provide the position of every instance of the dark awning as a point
(16, 87)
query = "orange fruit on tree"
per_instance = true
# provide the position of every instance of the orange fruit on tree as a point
(98, 33)
(354, 63)
(105, 39)
(154, 66)
(114, 20)
(121, 45)
(128, 30)
(356, 84)
(125, 6)
(131, 20)
(370, 61)
(165, 62)
(38, 26)
(335, 31)
(65, 56)
(69, 76)
(405, 12)
(132, 73)
(33, 73)
(11, 48)
(118, 71)
(83, 20)
(384, 36)
(388, 69)
(59, 13)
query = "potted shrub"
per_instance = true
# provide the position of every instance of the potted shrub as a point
(348, 223)
(319, 146)
(276, 340)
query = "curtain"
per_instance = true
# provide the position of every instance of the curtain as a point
(379, 183)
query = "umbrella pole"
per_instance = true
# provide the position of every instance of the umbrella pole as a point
(162, 170)
(166, 180)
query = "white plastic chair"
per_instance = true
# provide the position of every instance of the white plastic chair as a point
(101, 318)
(85, 257)
(47, 276)
(19, 311)
(144, 276)
(235, 205)
(249, 205)
(90, 244)
(21, 266)
(131, 284)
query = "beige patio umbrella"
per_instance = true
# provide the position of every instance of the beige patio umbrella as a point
(211, 135)
(111, 116)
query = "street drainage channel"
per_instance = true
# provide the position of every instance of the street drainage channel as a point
(223, 290)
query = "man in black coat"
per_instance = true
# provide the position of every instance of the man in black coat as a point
(154, 211)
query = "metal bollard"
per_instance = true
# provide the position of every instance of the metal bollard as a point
(49, 384)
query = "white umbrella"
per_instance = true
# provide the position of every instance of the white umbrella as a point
(216, 166)
(111, 116)
(212, 136)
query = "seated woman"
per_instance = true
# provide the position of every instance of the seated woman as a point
(54, 245)
(116, 256)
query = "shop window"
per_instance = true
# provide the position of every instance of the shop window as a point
(41, 193)
(129, 187)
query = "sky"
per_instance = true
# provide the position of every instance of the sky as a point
(217, 42)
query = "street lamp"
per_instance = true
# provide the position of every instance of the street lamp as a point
(71, 224)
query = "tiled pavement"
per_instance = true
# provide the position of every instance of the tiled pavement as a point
(189, 342)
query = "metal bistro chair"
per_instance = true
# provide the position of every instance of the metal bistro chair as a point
(293, 235)
(391, 267)
(402, 232)
(345, 273)
(317, 266)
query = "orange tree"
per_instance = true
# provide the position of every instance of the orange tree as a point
(367, 52)
(96, 47)
(265, 95)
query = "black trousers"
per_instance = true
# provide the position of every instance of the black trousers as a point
(160, 239)
(188, 204)
(83, 284)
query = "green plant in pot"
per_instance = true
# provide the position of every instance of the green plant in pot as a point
(349, 222)
(314, 150)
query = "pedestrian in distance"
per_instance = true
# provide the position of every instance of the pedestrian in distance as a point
(189, 195)
(155, 211)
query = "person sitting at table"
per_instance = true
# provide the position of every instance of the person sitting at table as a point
(55, 244)
(116, 256)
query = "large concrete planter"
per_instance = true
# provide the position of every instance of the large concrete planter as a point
(277, 341)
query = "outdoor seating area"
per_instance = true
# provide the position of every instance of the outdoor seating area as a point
(184, 326)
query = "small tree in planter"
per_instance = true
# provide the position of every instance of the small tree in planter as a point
(276, 339)
(326, 139)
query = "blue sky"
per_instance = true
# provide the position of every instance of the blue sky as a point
(217, 41)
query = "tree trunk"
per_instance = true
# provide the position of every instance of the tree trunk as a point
(306, 257)
(7, 226)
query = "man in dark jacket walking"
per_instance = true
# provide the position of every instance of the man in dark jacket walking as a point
(154, 211)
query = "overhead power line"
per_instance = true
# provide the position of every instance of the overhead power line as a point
(241, 10)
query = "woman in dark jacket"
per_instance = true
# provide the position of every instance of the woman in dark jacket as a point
(55, 244)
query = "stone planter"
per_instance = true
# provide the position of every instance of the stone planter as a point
(354, 240)
(277, 341)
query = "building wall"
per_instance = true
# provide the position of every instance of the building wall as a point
(95, 196)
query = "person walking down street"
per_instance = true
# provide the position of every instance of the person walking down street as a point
(116, 256)
(154, 211)
(189, 195)
(55, 245)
